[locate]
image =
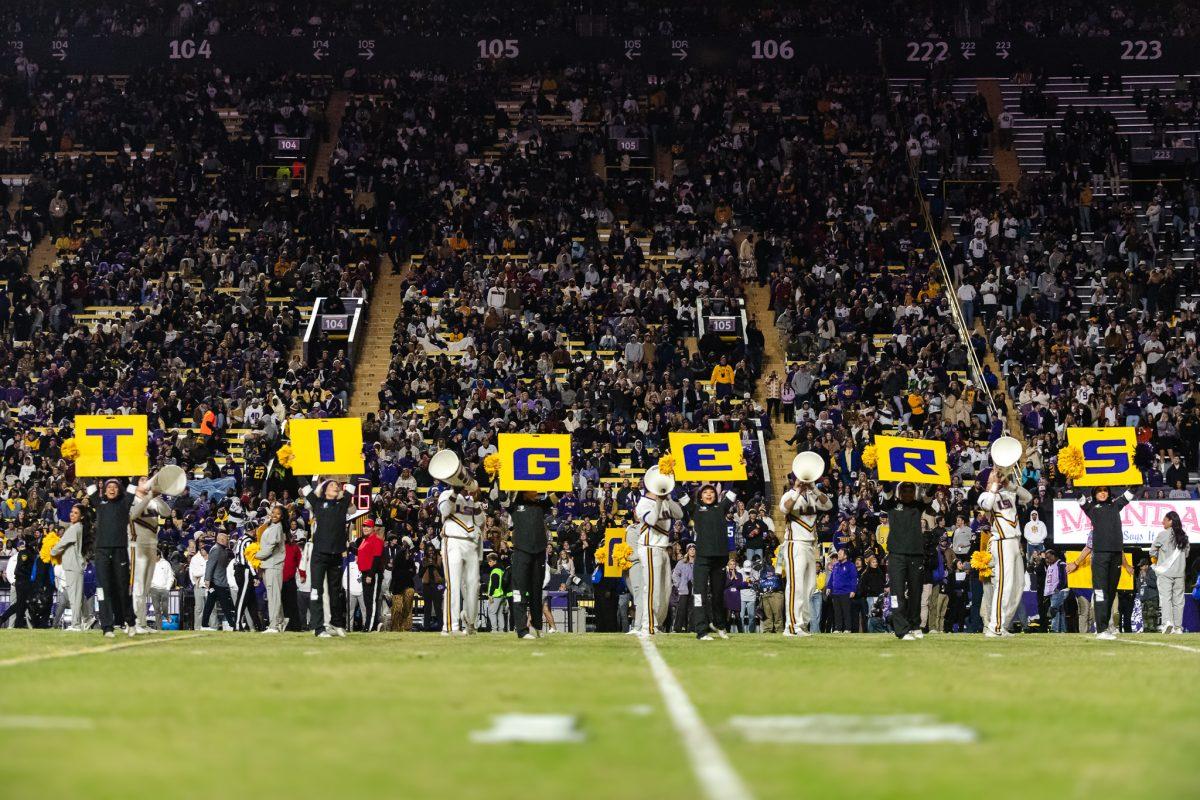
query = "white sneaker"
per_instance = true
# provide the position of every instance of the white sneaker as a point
(109, 635)
(918, 634)
(1168, 628)
(706, 638)
(527, 635)
(227, 627)
(908, 637)
(990, 634)
(338, 631)
(73, 629)
(1107, 636)
(445, 633)
(211, 630)
(130, 631)
(141, 630)
(721, 634)
(551, 630)
(631, 632)
(270, 630)
(1177, 632)
(324, 635)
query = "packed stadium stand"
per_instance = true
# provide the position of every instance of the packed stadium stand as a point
(901, 242)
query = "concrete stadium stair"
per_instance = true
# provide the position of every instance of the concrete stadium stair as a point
(779, 453)
(375, 355)
(335, 109)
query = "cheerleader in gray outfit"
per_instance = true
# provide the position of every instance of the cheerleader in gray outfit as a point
(70, 549)
(1170, 549)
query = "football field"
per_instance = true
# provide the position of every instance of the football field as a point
(415, 715)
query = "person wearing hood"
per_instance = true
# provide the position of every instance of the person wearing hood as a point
(329, 502)
(802, 505)
(710, 526)
(1002, 594)
(1106, 546)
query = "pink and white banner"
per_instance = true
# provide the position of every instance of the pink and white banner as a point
(1141, 521)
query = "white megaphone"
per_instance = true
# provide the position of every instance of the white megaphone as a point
(658, 483)
(1006, 451)
(447, 467)
(808, 467)
(170, 480)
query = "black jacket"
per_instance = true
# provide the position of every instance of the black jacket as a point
(529, 523)
(112, 521)
(711, 526)
(904, 524)
(1106, 523)
(329, 536)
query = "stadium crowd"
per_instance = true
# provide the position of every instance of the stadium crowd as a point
(551, 286)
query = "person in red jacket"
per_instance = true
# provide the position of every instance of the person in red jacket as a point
(370, 564)
(291, 563)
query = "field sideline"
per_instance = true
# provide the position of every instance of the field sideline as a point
(204, 715)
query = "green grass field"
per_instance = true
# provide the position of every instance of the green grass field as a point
(392, 716)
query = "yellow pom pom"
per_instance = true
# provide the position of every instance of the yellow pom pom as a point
(69, 449)
(1070, 462)
(981, 562)
(666, 464)
(870, 457)
(285, 455)
(251, 552)
(492, 465)
(48, 542)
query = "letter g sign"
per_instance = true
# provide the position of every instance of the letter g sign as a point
(536, 464)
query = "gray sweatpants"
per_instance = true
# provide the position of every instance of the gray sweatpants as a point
(1170, 600)
(273, 581)
(496, 615)
(200, 595)
(80, 614)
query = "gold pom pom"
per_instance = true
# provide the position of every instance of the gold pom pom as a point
(1070, 462)
(286, 456)
(666, 464)
(492, 465)
(981, 562)
(251, 552)
(48, 542)
(870, 457)
(69, 449)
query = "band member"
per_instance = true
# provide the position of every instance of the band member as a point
(528, 511)
(710, 523)
(655, 513)
(462, 551)
(243, 574)
(272, 550)
(1002, 594)
(325, 561)
(633, 577)
(802, 504)
(371, 562)
(906, 556)
(1106, 546)
(113, 509)
(143, 530)
(70, 549)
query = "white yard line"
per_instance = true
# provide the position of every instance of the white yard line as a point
(1182, 647)
(11, 662)
(717, 778)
